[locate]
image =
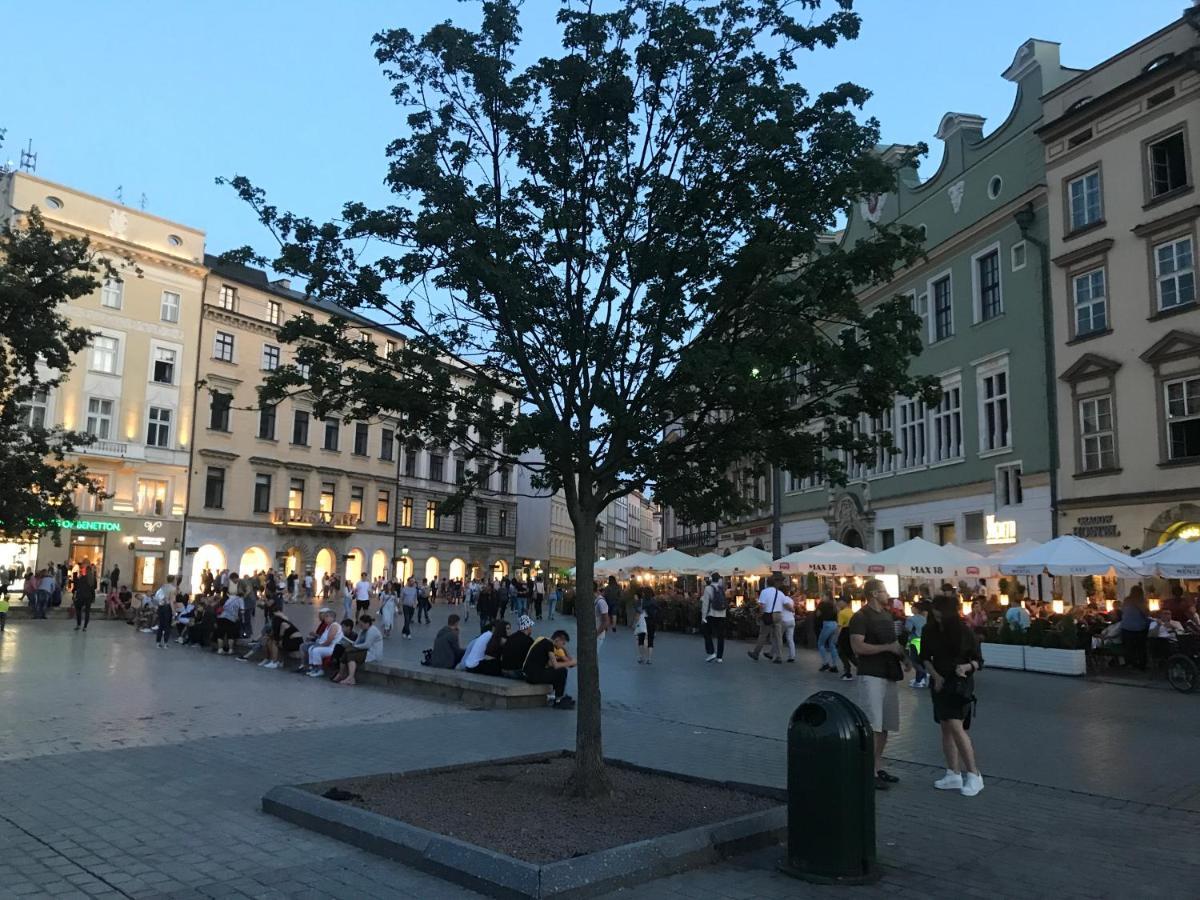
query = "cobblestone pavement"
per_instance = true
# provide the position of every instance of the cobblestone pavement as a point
(131, 772)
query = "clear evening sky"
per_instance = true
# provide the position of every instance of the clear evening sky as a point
(160, 98)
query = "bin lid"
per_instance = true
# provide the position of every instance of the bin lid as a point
(827, 714)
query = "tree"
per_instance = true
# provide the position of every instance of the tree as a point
(617, 256)
(38, 273)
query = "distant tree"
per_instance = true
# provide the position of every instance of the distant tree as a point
(39, 272)
(617, 256)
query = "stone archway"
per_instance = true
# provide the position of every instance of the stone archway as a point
(851, 520)
(1168, 522)
(851, 538)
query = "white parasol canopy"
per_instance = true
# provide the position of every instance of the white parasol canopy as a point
(708, 562)
(918, 558)
(677, 561)
(628, 563)
(829, 558)
(1174, 559)
(1000, 557)
(1071, 555)
(747, 561)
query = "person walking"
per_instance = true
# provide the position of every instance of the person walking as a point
(553, 600)
(387, 608)
(844, 614)
(1135, 628)
(713, 609)
(787, 627)
(770, 628)
(881, 661)
(229, 625)
(612, 596)
(46, 587)
(827, 629)
(539, 597)
(164, 597)
(950, 654)
(408, 606)
(84, 594)
(424, 602)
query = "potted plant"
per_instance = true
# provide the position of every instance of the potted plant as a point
(1004, 647)
(1059, 651)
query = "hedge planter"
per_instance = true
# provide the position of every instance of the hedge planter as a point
(1055, 662)
(1004, 656)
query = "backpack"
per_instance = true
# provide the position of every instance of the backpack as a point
(716, 602)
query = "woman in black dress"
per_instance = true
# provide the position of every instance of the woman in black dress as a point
(950, 654)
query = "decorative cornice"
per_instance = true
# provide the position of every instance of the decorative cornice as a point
(1175, 344)
(298, 466)
(1164, 222)
(217, 454)
(1096, 248)
(266, 462)
(1089, 365)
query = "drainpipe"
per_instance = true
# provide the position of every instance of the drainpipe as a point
(1025, 218)
(187, 482)
(776, 513)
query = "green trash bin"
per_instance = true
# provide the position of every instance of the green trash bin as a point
(831, 792)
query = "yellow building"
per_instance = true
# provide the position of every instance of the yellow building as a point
(131, 388)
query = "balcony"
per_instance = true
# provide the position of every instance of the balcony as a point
(285, 517)
(692, 540)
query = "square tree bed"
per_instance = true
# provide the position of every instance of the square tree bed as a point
(507, 828)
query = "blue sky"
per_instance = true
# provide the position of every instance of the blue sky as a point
(160, 98)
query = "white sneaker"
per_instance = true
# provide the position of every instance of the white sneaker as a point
(720, 660)
(972, 784)
(710, 658)
(951, 781)
(265, 664)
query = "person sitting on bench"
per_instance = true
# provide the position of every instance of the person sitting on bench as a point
(368, 647)
(483, 654)
(512, 659)
(548, 663)
(446, 652)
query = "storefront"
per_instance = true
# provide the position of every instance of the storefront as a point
(1136, 526)
(82, 540)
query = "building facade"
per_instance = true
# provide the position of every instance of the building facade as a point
(276, 487)
(1119, 144)
(974, 469)
(131, 388)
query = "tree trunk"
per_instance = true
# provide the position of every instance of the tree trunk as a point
(589, 778)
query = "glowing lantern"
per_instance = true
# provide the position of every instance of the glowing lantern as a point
(907, 608)
(1155, 604)
(1004, 599)
(1057, 606)
(810, 604)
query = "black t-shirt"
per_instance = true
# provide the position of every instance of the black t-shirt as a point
(826, 612)
(513, 656)
(876, 628)
(538, 659)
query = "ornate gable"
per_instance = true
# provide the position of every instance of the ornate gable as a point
(1175, 344)
(1089, 365)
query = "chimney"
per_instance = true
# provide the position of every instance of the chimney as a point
(283, 283)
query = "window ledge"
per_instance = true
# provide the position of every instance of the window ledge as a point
(300, 446)
(228, 362)
(996, 318)
(1174, 311)
(1180, 463)
(1084, 229)
(1098, 473)
(333, 450)
(1168, 196)
(267, 440)
(999, 451)
(218, 431)
(940, 340)
(947, 462)
(1089, 336)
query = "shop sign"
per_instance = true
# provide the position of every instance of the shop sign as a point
(1096, 526)
(1000, 532)
(81, 524)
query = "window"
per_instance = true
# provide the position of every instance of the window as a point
(995, 185)
(227, 297)
(460, 471)
(361, 436)
(920, 306)
(33, 412)
(481, 520)
(456, 522)
(406, 513)
(410, 464)
(164, 365)
(158, 428)
(214, 488)
(885, 459)
(503, 523)
(1091, 302)
(943, 311)
(169, 307)
(99, 418)
(1168, 165)
(973, 527)
(437, 466)
(266, 422)
(105, 350)
(1183, 418)
(356, 502)
(994, 417)
(914, 531)
(1018, 256)
(332, 432)
(1176, 277)
(987, 272)
(945, 533)
(328, 496)
(300, 428)
(302, 367)
(86, 501)
(1008, 486)
(218, 411)
(431, 514)
(1099, 448)
(262, 493)
(112, 292)
(947, 424)
(1083, 197)
(296, 493)
(270, 357)
(391, 347)
(504, 480)
(223, 346)
(387, 444)
(151, 499)
(274, 312)
(911, 417)
(887, 538)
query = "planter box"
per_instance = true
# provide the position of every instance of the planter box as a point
(1003, 656)
(1055, 662)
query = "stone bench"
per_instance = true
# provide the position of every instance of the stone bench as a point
(478, 691)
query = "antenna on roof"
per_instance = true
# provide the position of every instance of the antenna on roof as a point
(142, 201)
(120, 193)
(28, 158)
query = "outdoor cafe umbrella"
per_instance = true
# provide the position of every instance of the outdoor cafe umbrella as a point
(1071, 555)
(918, 558)
(672, 560)
(1174, 559)
(1011, 552)
(747, 561)
(620, 564)
(829, 558)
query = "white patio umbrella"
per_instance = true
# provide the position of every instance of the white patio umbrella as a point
(672, 560)
(829, 558)
(708, 562)
(1174, 559)
(1071, 555)
(628, 563)
(918, 558)
(1011, 551)
(747, 561)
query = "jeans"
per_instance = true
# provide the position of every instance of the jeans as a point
(518, 606)
(827, 643)
(551, 603)
(1133, 648)
(537, 605)
(41, 599)
(248, 618)
(408, 617)
(423, 607)
(843, 646)
(714, 626)
(83, 613)
(164, 625)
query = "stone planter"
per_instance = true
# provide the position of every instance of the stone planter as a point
(1003, 656)
(1055, 662)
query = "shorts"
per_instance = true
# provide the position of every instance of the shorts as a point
(362, 605)
(641, 638)
(358, 657)
(881, 702)
(948, 705)
(292, 644)
(227, 630)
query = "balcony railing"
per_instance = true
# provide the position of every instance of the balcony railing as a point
(314, 518)
(706, 538)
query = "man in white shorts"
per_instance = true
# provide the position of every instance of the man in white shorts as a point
(880, 661)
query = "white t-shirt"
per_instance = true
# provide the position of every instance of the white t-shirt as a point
(601, 611)
(362, 590)
(789, 615)
(475, 651)
(771, 600)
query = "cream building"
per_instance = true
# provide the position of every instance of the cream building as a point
(279, 488)
(131, 388)
(1120, 149)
